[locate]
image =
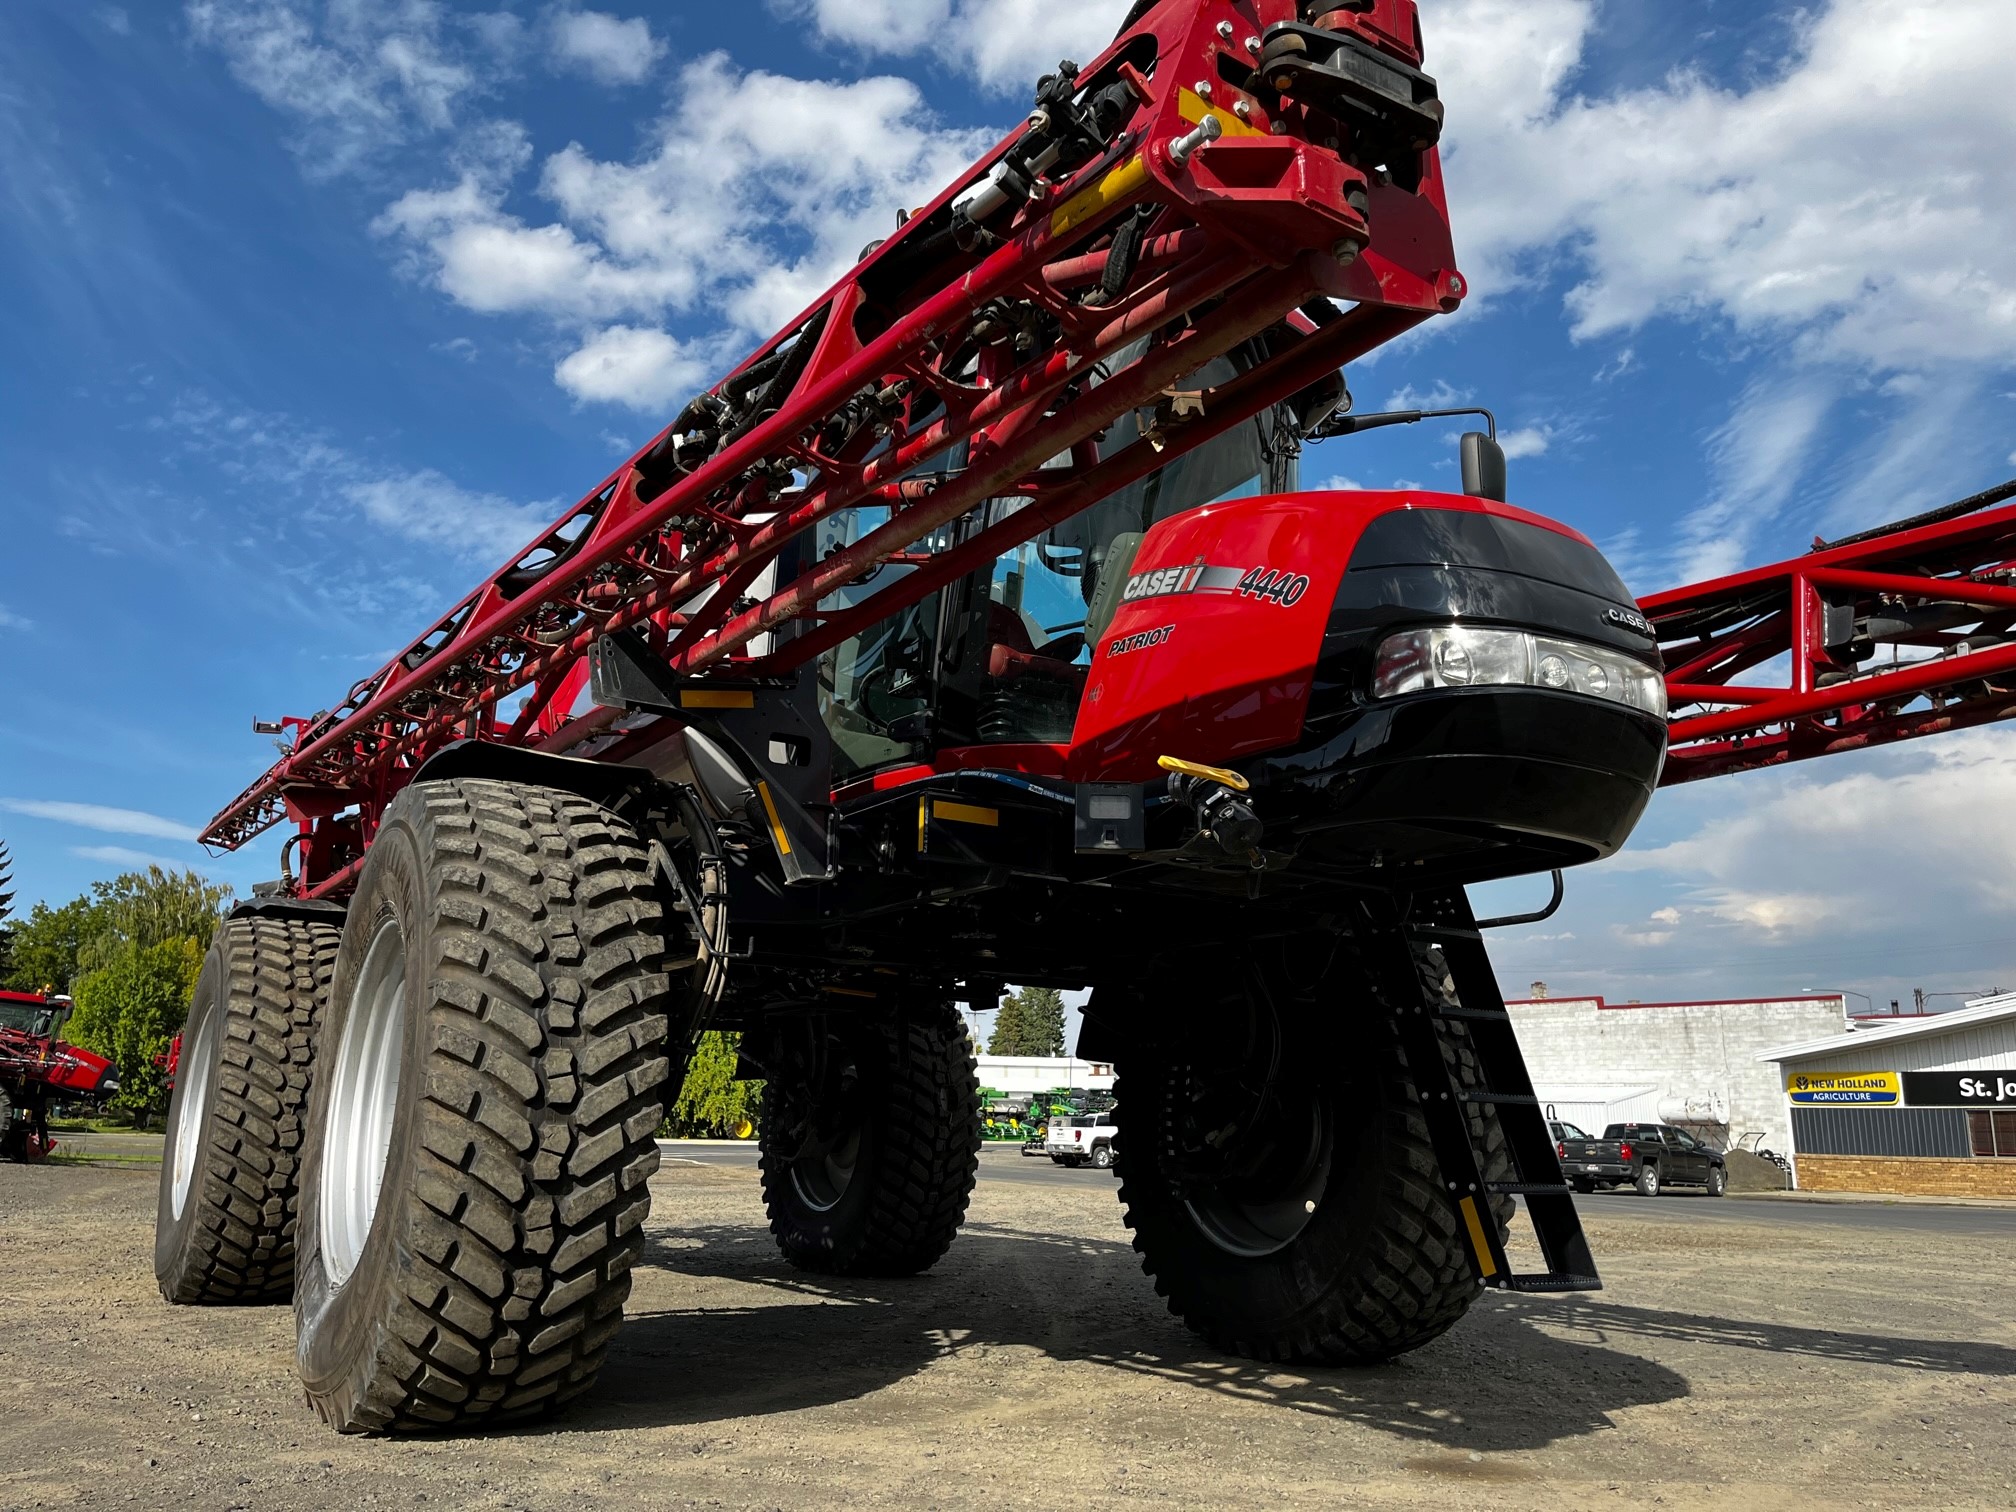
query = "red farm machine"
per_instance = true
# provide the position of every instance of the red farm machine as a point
(38, 1070)
(974, 631)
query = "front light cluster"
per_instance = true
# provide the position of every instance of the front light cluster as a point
(1464, 656)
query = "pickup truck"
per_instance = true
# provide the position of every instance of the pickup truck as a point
(1649, 1157)
(1077, 1139)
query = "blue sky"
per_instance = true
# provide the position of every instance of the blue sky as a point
(316, 309)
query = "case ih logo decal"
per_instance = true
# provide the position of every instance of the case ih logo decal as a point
(1630, 619)
(1267, 584)
(1140, 640)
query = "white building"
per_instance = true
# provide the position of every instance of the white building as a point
(1019, 1075)
(1693, 1064)
(1922, 1104)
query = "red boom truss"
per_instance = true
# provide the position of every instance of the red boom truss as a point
(942, 335)
(1906, 631)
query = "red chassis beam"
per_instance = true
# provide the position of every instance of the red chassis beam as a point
(1201, 218)
(1901, 633)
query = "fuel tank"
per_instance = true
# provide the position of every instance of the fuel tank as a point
(1407, 679)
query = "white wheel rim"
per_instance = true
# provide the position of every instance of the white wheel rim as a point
(362, 1100)
(193, 1076)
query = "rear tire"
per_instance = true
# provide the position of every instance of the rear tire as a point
(230, 1166)
(1718, 1181)
(1647, 1182)
(481, 1132)
(1102, 1157)
(870, 1174)
(1344, 1248)
(1584, 1186)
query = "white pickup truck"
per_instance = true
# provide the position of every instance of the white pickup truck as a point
(1081, 1138)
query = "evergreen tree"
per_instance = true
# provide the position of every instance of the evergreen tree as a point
(6, 912)
(1029, 1022)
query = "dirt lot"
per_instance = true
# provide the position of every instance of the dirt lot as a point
(1731, 1363)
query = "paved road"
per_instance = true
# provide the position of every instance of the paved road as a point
(999, 1163)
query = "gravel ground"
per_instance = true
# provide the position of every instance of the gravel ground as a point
(1729, 1364)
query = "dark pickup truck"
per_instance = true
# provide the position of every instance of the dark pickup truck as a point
(1649, 1157)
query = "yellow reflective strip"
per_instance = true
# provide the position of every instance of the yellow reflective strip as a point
(967, 813)
(1230, 778)
(716, 698)
(1121, 184)
(1478, 1242)
(776, 824)
(923, 819)
(1190, 105)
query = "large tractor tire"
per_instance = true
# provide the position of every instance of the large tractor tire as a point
(870, 1148)
(230, 1169)
(481, 1134)
(1311, 1225)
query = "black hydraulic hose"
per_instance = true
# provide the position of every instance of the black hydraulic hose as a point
(1951, 511)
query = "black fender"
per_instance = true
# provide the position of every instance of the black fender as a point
(597, 781)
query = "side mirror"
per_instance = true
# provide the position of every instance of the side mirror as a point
(1483, 467)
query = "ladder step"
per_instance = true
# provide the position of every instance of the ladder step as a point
(1530, 1188)
(1552, 1281)
(1441, 932)
(1509, 1099)
(1451, 1012)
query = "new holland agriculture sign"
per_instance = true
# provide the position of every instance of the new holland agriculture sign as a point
(1863, 1089)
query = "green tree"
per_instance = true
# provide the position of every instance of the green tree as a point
(711, 1101)
(1029, 1022)
(148, 908)
(131, 1007)
(46, 946)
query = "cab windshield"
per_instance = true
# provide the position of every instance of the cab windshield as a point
(1001, 658)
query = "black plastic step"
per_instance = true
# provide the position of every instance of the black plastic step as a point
(1552, 1281)
(1492, 1015)
(1530, 1188)
(1506, 1099)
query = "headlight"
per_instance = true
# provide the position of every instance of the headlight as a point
(1462, 656)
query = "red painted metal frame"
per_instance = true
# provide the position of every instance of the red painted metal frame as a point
(1247, 227)
(1962, 673)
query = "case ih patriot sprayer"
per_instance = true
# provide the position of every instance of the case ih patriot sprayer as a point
(37, 1069)
(973, 632)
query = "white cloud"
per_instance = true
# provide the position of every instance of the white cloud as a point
(1934, 823)
(1005, 44)
(1530, 441)
(638, 366)
(119, 855)
(1665, 916)
(289, 462)
(98, 816)
(426, 507)
(609, 49)
(1757, 458)
(361, 76)
(114, 18)
(1810, 204)
(1437, 395)
(751, 196)
(12, 621)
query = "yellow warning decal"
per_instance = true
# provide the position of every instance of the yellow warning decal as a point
(776, 824)
(923, 820)
(1122, 184)
(716, 698)
(1486, 1266)
(1190, 105)
(966, 813)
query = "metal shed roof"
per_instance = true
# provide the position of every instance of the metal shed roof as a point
(1973, 1016)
